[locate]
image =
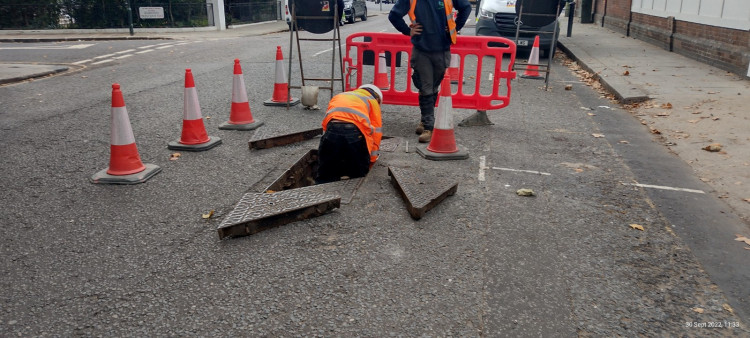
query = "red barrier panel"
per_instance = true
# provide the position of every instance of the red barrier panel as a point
(395, 43)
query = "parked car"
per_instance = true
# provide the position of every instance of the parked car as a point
(354, 9)
(498, 18)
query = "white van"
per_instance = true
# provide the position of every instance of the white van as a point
(498, 18)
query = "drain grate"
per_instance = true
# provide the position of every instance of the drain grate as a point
(256, 212)
(421, 193)
(389, 144)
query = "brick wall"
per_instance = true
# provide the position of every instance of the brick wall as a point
(724, 48)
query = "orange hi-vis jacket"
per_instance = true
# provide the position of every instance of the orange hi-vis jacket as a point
(448, 17)
(363, 110)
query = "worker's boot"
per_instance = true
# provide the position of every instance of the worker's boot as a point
(427, 109)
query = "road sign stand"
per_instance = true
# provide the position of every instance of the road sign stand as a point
(335, 43)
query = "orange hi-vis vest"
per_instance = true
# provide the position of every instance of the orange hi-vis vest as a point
(361, 109)
(448, 17)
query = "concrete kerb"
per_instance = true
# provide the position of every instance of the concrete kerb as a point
(624, 91)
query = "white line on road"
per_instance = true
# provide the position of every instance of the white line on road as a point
(144, 51)
(664, 188)
(162, 47)
(125, 51)
(103, 61)
(82, 46)
(144, 47)
(523, 171)
(82, 61)
(124, 56)
(103, 56)
(482, 167)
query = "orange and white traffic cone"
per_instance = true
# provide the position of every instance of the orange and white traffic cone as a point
(280, 87)
(240, 117)
(381, 77)
(125, 166)
(194, 136)
(442, 145)
(532, 67)
(453, 69)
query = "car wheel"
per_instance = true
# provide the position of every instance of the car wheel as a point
(364, 16)
(350, 19)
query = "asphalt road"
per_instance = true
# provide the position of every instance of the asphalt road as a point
(85, 259)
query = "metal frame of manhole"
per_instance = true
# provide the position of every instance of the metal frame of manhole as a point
(261, 140)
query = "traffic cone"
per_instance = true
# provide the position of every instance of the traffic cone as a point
(194, 137)
(532, 67)
(125, 166)
(453, 69)
(442, 145)
(381, 77)
(240, 117)
(280, 87)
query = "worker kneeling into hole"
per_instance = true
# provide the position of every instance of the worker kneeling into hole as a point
(352, 127)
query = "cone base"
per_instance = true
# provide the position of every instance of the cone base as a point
(292, 102)
(246, 126)
(477, 119)
(213, 141)
(460, 154)
(529, 76)
(102, 177)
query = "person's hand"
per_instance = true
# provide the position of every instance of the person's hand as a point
(416, 29)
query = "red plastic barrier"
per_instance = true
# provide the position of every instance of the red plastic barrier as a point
(395, 43)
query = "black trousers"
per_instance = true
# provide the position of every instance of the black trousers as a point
(342, 152)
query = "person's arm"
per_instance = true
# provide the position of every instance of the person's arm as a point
(396, 16)
(464, 11)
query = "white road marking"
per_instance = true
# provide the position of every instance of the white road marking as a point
(482, 167)
(522, 171)
(125, 51)
(144, 51)
(664, 188)
(103, 61)
(124, 56)
(103, 56)
(162, 47)
(81, 46)
(82, 61)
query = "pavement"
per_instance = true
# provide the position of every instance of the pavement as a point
(686, 104)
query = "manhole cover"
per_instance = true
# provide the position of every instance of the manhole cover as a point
(420, 192)
(269, 138)
(256, 212)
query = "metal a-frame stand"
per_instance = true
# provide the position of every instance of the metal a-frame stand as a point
(336, 39)
(542, 68)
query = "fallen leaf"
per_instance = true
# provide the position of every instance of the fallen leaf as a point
(713, 92)
(525, 192)
(174, 156)
(591, 114)
(208, 117)
(626, 73)
(585, 108)
(637, 227)
(693, 121)
(697, 309)
(713, 147)
(579, 170)
(624, 142)
(597, 135)
(270, 191)
(715, 118)
(741, 238)
(747, 200)
(208, 215)
(655, 131)
(666, 106)
(568, 87)
(728, 308)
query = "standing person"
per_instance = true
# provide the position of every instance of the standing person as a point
(432, 32)
(352, 127)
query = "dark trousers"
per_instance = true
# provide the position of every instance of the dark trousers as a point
(429, 69)
(342, 152)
